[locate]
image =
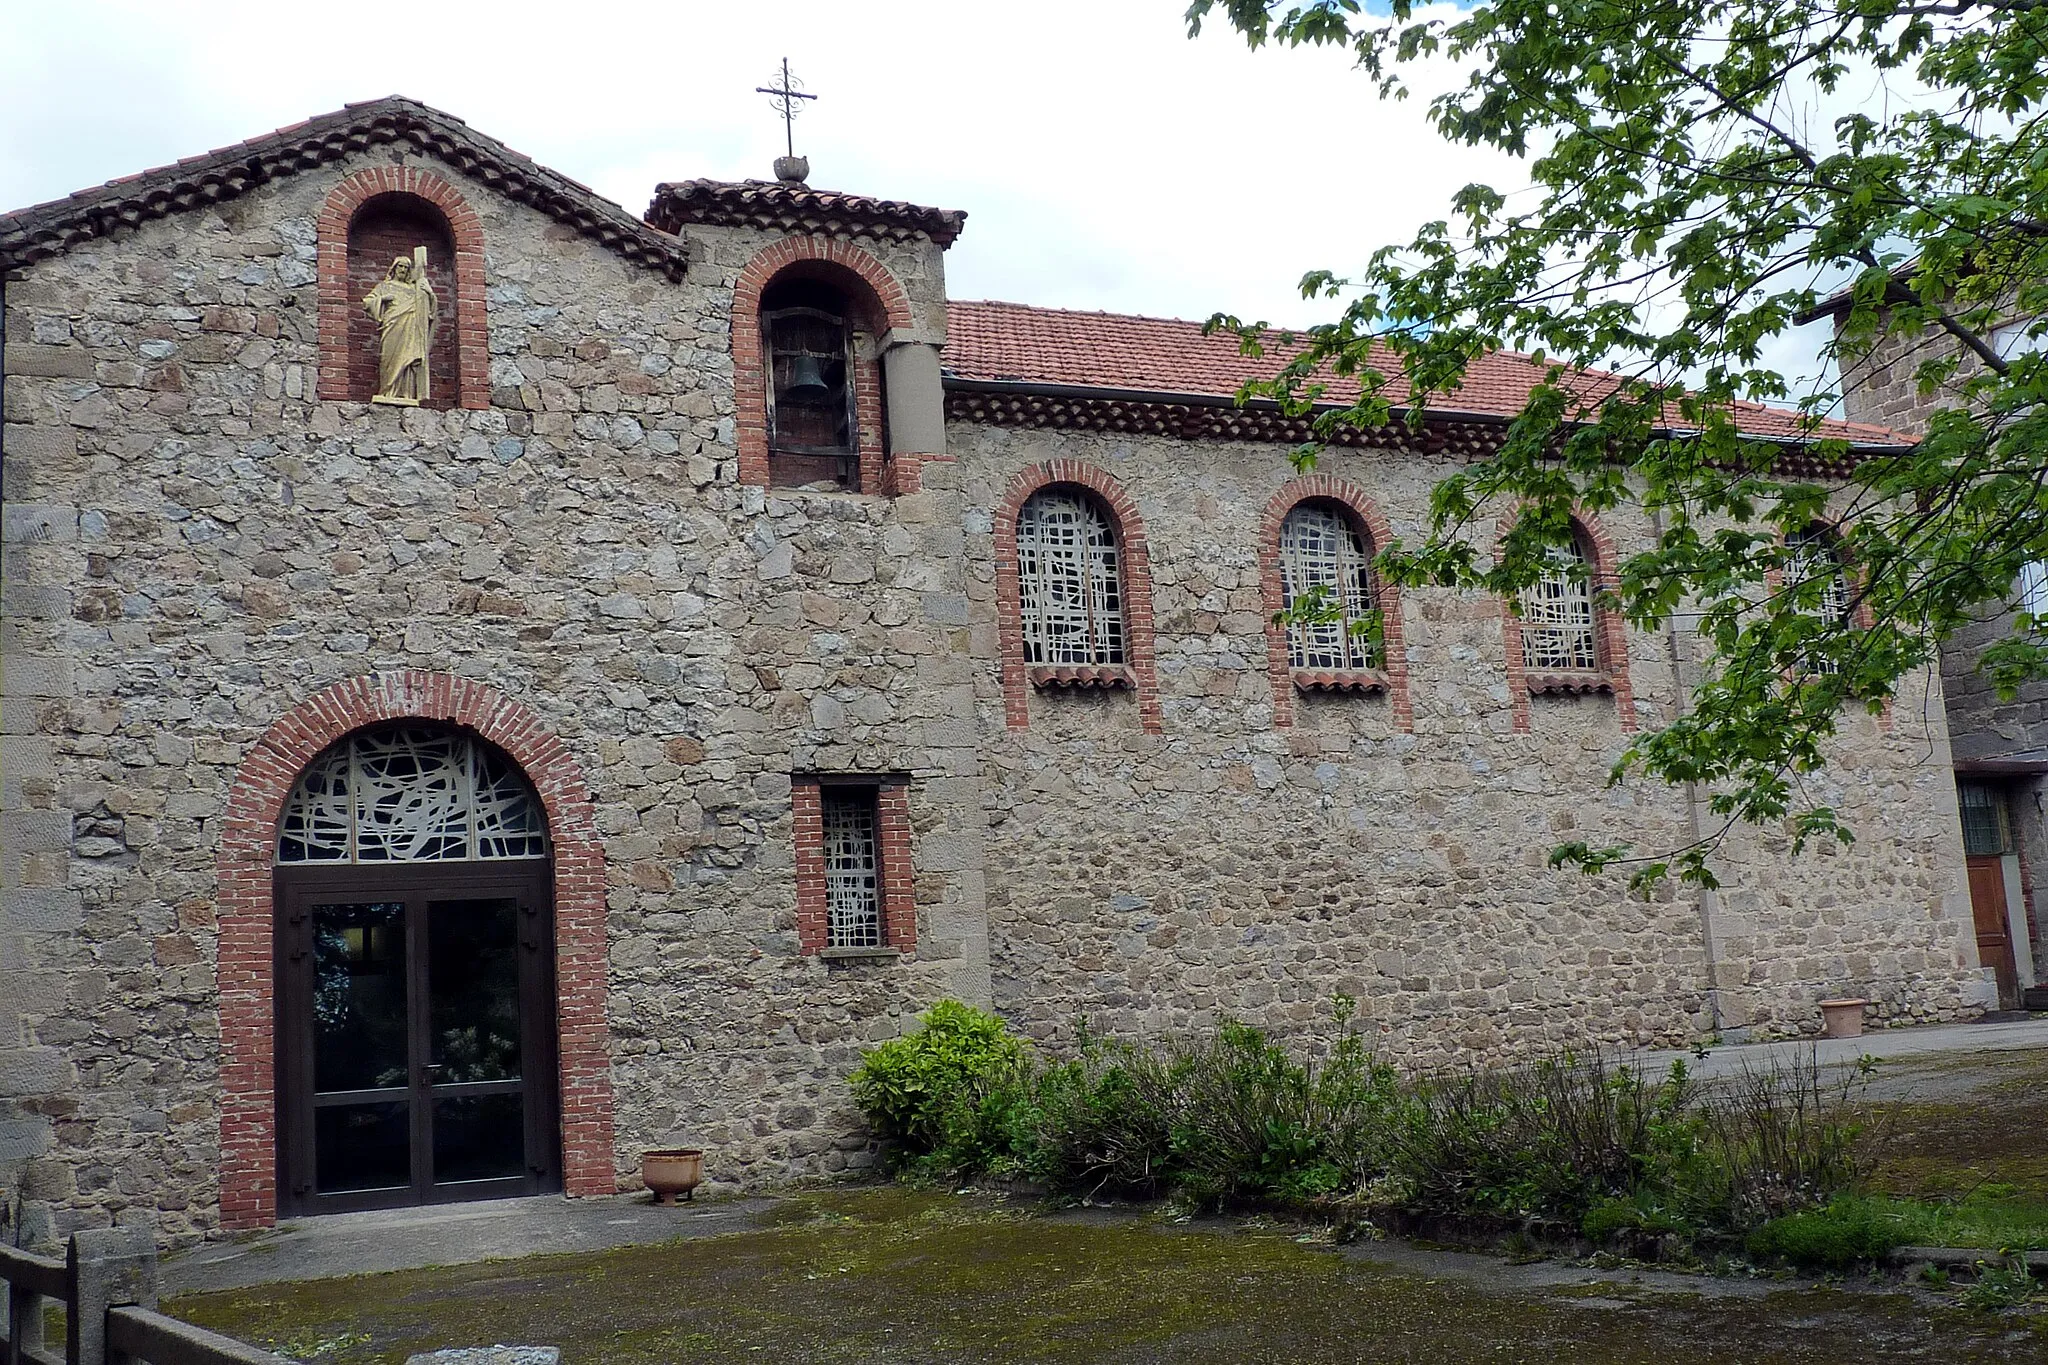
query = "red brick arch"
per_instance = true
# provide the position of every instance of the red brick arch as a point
(245, 975)
(1135, 564)
(1609, 629)
(472, 350)
(874, 291)
(1379, 533)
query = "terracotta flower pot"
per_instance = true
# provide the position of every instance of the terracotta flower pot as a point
(672, 1171)
(1843, 1018)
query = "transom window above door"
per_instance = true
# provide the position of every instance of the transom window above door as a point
(411, 794)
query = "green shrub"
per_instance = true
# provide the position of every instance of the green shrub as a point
(946, 1089)
(1850, 1231)
(1619, 1156)
(1246, 1121)
(1093, 1125)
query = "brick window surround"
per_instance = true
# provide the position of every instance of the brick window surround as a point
(1378, 533)
(340, 302)
(1135, 566)
(878, 305)
(1610, 634)
(246, 972)
(892, 834)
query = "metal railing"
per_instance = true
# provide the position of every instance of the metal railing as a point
(106, 1284)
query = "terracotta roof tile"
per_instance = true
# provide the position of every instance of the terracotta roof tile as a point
(43, 230)
(1018, 343)
(776, 206)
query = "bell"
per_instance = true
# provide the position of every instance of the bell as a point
(807, 381)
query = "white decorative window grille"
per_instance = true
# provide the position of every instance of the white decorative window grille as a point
(1557, 615)
(853, 882)
(1321, 550)
(410, 794)
(1067, 580)
(1811, 555)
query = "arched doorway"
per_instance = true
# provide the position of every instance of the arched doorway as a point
(416, 1005)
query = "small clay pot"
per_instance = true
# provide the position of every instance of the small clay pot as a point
(792, 170)
(672, 1171)
(1843, 1018)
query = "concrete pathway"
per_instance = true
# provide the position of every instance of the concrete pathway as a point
(1883, 1044)
(448, 1234)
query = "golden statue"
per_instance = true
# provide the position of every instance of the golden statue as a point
(404, 306)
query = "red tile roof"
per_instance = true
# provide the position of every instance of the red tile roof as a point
(44, 230)
(1051, 346)
(772, 205)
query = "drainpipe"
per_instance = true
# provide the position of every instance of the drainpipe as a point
(1709, 899)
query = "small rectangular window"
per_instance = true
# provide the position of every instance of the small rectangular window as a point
(853, 867)
(1986, 831)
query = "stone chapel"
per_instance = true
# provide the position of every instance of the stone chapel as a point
(494, 683)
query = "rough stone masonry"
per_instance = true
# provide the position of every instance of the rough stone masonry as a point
(205, 560)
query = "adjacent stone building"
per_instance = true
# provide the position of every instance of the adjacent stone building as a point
(2000, 746)
(740, 646)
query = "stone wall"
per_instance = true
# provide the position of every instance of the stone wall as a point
(1154, 883)
(195, 545)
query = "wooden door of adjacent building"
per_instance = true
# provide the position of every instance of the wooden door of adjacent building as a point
(1987, 846)
(1994, 925)
(415, 1034)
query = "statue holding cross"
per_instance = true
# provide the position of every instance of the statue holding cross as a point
(786, 97)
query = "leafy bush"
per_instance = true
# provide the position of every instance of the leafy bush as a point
(1094, 1124)
(946, 1088)
(1247, 1121)
(1566, 1146)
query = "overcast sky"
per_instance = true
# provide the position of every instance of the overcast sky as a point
(1104, 158)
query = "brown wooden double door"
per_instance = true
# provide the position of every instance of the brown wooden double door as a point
(416, 1038)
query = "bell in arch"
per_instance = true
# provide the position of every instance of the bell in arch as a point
(806, 381)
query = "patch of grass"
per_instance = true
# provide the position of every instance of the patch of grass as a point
(1859, 1229)
(2000, 1286)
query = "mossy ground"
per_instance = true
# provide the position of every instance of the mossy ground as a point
(1992, 1131)
(1965, 1163)
(895, 1275)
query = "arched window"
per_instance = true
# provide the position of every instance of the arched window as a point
(1326, 563)
(1069, 582)
(813, 425)
(1813, 556)
(411, 794)
(1558, 628)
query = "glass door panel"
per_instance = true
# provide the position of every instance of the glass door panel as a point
(473, 990)
(474, 1043)
(362, 1146)
(362, 1104)
(479, 1137)
(359, 997)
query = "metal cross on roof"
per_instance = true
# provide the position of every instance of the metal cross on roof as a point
(785, 97)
